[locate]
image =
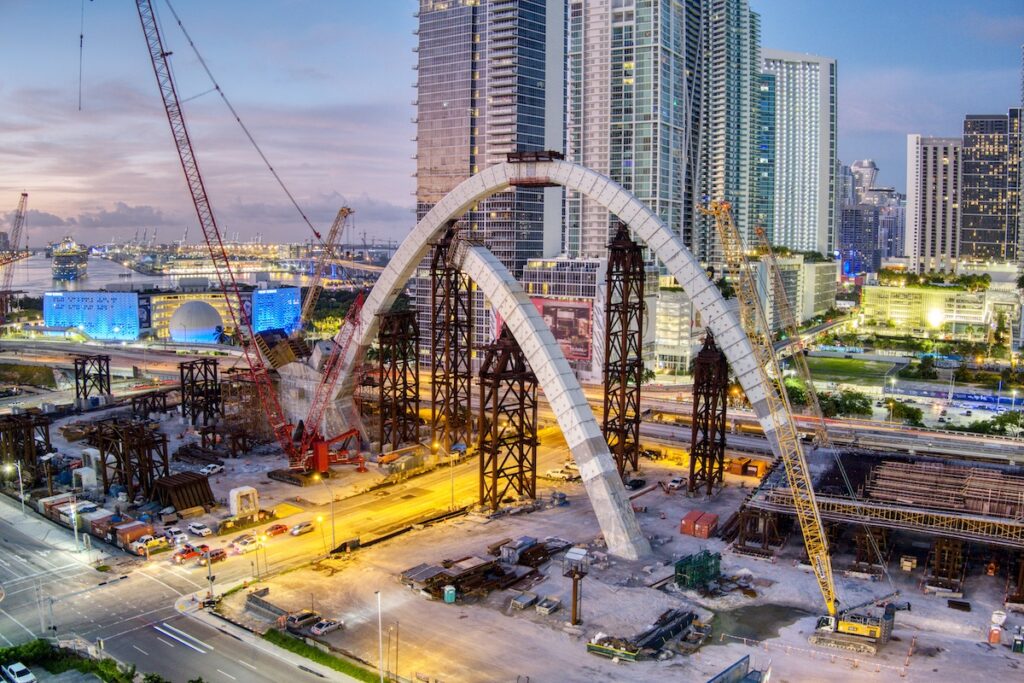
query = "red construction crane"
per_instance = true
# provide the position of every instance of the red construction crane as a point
(8, 259)
(299, 457)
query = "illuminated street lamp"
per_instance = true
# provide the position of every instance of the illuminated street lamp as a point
(320, 523)
(9, 467)
(323, 480)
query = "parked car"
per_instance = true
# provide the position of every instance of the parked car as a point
(246, 545)
(570, 466)
(176, 536)
(325, 626)
(559, 473)
(189, 552)
(276, 529)
(211, 469)
(215, 555)
(968, 413)
(676, 483)
(634, 484)
(302, 618)
(302, 528)
(651, 453)
(18, 673)
(200, 529)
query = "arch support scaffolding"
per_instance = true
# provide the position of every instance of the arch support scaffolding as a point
(586, 442)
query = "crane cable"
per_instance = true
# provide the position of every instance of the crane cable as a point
(245, 129)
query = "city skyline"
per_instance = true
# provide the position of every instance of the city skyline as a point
(343, 134)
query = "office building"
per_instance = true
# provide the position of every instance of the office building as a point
(764, 195)
(990, 192)
(933, 202)
(806, 166)
(859, 240)
(730, 92)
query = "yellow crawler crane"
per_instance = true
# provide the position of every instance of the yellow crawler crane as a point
(848, 629)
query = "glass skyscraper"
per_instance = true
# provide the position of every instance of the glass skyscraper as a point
(764, 199)
(481, 93)
(990, 192)
(633, 110)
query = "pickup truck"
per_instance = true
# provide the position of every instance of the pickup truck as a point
(147, 542)
(189, 552)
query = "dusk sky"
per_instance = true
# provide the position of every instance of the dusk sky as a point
(326, 89)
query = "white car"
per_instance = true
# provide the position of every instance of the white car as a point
(676, 483)
(564, 475)
(18, 673)
(325, 626)
(176, 536)
(211, 469)
(246, 545)
(200, 529)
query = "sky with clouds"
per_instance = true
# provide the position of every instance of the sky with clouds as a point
(325, 87)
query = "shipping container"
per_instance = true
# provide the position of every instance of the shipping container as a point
(686, 525)
(706, 526)
(127, 532)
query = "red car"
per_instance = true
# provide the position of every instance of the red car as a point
(276, 529)
(189, 552)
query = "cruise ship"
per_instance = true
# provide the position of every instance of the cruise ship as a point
(70, 260)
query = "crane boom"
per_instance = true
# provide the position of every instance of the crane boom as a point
(229, 286)
(780, 414)
(331, 372)
(7, 260)
(316, 286)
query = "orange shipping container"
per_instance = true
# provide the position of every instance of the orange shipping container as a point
(687, 523)
(706, 526)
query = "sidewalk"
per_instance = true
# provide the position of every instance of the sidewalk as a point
(47, 531)
(189, 605)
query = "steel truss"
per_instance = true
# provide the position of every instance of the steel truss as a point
(707, 437)
(92, 376)
(951, 524)
(758, 531)
(508, 423)
(399, 390)
(149, 402)
(623, 349)
(135, 456)
(20, 439)
(451, 348)
(200, 391)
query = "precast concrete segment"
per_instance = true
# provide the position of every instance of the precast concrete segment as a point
(649, 229)
(583, 436)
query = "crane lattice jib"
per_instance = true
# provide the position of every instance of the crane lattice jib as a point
(226, 279)
(779, 411)
(316, 284)
(790, 327)
(331, 372)
(15, 244)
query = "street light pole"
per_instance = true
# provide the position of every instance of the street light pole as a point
(21, 485)
(380, 640)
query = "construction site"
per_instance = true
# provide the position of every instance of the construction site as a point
(508, 526)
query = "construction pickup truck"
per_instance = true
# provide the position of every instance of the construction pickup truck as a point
(189, 552)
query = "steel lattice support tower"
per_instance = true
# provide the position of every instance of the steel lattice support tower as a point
(508, 423)
(92, 376)
(399, 364)
(707, 437)
(200, 391)
(623, 349)
(451, 348)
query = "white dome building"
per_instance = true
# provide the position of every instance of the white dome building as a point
(196, 322)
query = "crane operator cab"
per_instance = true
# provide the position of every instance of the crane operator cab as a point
(858, 631)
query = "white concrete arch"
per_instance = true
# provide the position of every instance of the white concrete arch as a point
(554, 375)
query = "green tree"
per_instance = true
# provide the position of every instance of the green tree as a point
(907, 414)
(796, 391)
(845, 403)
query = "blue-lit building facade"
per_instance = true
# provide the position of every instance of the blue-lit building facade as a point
(188, 317)
(764, 198)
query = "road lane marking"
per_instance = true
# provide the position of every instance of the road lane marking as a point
(248, 665)
(8, 615)
(141, 650)
(227, 674)
(188, 635)
(165, 642)
(153, 578)
(159, 627)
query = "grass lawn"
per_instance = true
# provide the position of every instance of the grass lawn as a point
(848, 370)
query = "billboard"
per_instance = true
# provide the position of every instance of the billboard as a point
(276, 309)
(105, 316)
(571, 324)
